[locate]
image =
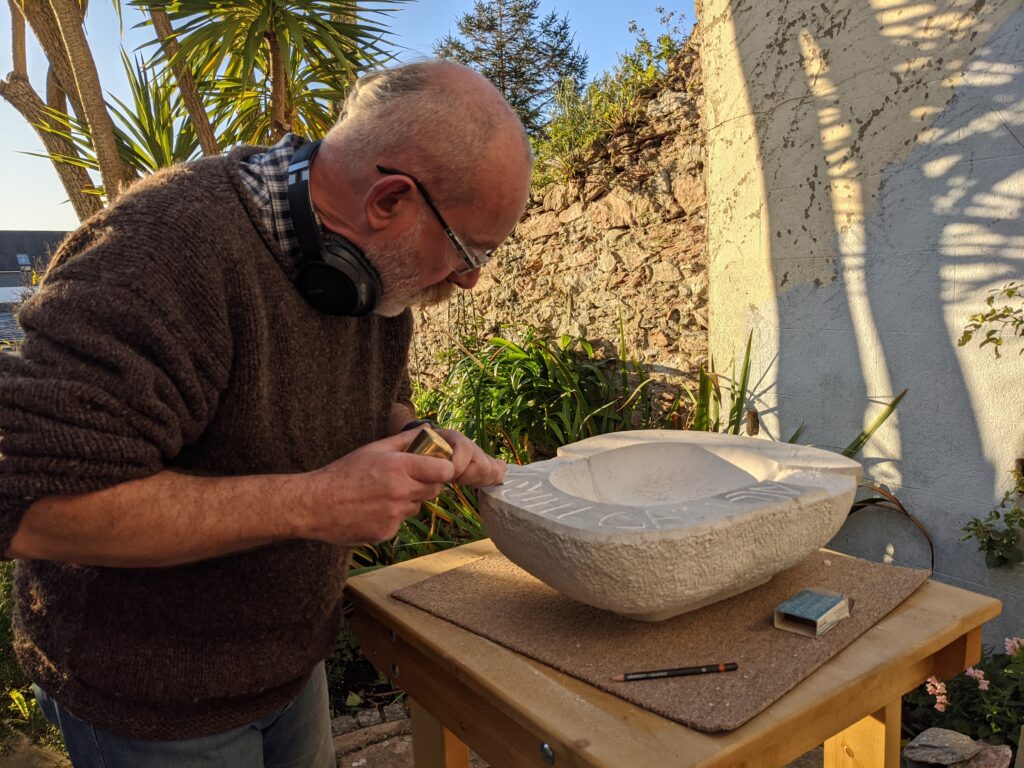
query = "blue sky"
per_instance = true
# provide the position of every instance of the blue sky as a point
(31, 196)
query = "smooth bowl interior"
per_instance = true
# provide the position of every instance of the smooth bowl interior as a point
(646, 474)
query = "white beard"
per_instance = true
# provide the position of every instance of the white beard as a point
(398, 266)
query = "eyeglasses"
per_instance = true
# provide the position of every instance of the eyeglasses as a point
(472, 258)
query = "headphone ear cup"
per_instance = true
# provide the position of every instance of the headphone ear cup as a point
(335, 277)
(338, 285)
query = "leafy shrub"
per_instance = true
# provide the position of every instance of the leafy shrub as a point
(19, 710)
(985, 702)
(998, 535)
(523, 398)
(581, 118)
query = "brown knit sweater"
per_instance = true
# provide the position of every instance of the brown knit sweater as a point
(167, 334)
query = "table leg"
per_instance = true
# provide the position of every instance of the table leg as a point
(433, 745)
(873, 742)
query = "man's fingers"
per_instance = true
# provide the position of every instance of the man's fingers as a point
(428, 469)
(396, 442)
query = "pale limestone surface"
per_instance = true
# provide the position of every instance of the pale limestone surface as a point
(654, 523)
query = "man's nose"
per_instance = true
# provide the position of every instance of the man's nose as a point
(466, 280)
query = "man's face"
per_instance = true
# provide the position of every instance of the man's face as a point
(425, 265)
(398, 263)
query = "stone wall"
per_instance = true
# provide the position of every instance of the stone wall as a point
(629, 238)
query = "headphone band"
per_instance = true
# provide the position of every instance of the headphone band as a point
(300, 203)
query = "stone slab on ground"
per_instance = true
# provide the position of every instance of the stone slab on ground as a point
(396, 752)
(19, 752)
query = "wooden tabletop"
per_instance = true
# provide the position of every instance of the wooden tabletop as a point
(503, 704)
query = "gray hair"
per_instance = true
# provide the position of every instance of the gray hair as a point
(417, 117)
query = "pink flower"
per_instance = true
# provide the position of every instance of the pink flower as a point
(1014, 645)
(935, 687)
(978, 675)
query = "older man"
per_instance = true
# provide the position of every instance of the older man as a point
(208, 411)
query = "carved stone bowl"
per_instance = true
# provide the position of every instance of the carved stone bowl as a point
(654, 523)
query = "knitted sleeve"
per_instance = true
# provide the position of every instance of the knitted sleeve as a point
(127, 350)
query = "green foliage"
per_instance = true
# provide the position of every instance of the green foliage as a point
(242, 115)
(986, 702)
(232, 38)
(1000, 320)
(583, 117)
(448, 521)
(999, 533)
(152, 130)
(518, 399)
(20, 710)
(352, 681)
(526, 56)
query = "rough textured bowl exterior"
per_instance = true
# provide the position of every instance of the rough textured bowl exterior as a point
(654, 523)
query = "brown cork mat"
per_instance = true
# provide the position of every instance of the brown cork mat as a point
(494, 598)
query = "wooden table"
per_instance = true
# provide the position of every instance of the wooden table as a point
(512, 711)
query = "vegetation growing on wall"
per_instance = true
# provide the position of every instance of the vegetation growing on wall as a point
(583, 118)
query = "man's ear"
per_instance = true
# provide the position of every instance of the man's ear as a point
(389, 198)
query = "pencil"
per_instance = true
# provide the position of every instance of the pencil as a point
(654, 674)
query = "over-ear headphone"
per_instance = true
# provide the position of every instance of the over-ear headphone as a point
(334, 276)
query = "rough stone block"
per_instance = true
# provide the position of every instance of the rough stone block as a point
(689, 497)
(535, 228)
(368, 717)
(941, 746)
(666, 273)
(343, 724)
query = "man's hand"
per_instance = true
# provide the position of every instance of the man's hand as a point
(365, 495)
(473, 467)
(170, 518)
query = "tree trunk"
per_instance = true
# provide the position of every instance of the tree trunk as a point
(55, 96)
(20, 95)
(19, 65)
(87, 80)
(186, 83)
(44, 26)
(349, 15)
(280, 123)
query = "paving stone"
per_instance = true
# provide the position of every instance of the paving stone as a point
(395, 711)
(343, 724)
(368, 717)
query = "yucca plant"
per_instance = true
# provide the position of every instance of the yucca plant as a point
(152, 130)
(248, 41)
(242, 106)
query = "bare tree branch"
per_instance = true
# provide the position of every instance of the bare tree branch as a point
(87, 79)
(19, 94)
(186, 83)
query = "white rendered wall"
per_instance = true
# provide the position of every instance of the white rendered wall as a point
(865, 192)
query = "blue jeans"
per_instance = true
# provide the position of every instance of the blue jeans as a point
(296, 736)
